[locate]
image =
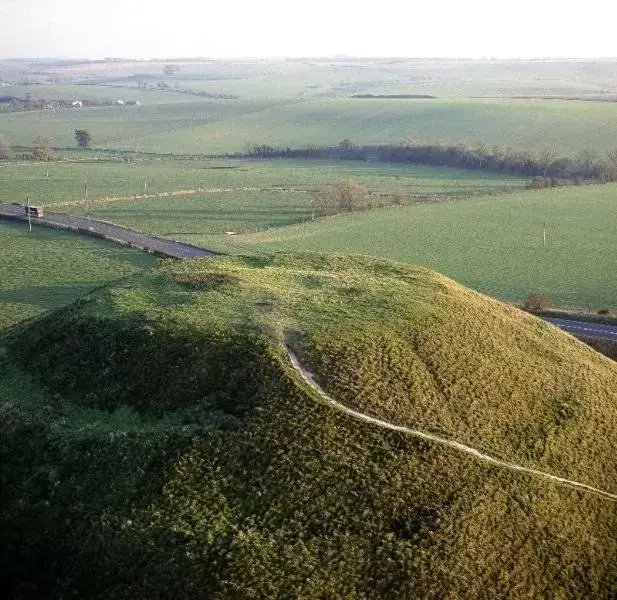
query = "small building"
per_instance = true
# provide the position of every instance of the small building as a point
(34, 211)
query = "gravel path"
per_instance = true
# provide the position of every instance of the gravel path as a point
(109, 231)
(310, 380)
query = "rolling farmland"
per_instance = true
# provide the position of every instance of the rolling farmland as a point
(492, 244)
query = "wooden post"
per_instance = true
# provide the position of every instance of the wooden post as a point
(86, 193)
(544, 236)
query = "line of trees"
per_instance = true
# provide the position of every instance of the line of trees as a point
(546, 164)
(42, 146)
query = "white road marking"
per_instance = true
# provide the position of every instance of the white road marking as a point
(581, 328)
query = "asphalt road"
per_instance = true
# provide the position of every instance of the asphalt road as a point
(101, 229)
(584, 328)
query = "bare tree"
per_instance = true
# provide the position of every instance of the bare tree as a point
(546, 157)
(399, 197)
(43, 148)
(6, 151)
(345, 196)
(538, 301)
(611, 162)
(347, 145)
(589, 162)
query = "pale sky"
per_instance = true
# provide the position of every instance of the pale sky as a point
(224, 28)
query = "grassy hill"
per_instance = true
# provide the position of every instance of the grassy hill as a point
(492, 244)
(165, 447)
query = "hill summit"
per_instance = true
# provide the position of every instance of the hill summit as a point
(244, 428)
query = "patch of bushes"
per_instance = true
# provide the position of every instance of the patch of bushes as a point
(201, 279)
(538, 301)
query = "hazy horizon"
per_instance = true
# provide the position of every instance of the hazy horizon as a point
(135, 29)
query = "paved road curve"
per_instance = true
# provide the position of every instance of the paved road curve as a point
(584, 328)
(115, 233)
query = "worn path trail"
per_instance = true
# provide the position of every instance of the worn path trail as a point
(310, 380)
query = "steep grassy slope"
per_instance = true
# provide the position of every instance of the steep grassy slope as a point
(492, 244)
(165, 447)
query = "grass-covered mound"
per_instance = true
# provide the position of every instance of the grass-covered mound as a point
(157, 442)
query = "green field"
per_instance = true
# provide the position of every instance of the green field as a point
(107, 179)
(46, 269)
(265, 194)
(491, 244)
(530, 125)
(95, 93)
(216, 126)
(125, 126)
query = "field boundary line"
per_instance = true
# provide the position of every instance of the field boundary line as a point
(416, 199)
(309, 378)
(173, 193)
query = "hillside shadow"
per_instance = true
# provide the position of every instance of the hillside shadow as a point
(48, 296)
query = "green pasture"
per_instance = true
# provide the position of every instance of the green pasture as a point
(126, 126)
(63, 181)
(96, 93)
(45, 269)
(221, 126)
(251, 195)
(532, 125)
(491, 244)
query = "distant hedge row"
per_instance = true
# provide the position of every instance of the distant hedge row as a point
(585, 166)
